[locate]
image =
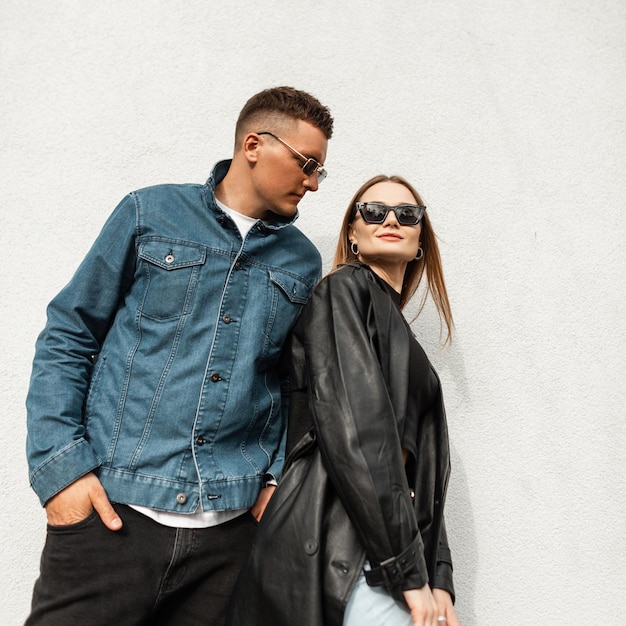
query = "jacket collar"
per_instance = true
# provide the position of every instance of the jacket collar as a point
(215, 178)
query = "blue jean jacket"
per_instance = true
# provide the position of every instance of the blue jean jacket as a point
(158, 366)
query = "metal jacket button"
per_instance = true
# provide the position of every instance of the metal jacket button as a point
(181, 498)
(310, 547)
(169, 258)
(201, 440)
(227, 319)
(215, 377)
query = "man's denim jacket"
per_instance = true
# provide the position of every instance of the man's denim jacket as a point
(158, 365)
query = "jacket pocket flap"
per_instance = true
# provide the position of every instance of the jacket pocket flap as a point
(293, 287)
(171, 255)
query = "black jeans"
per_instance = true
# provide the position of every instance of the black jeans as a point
(144, 573)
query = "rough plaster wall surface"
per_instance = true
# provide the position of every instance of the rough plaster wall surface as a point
(509, 117)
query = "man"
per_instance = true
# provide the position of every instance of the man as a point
(154, 410)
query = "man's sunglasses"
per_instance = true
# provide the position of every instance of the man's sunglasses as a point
(376, 213)
(310, 165)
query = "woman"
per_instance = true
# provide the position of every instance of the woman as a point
(355, 534)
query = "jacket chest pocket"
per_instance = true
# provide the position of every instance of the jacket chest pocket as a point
(288, 295)
(170, 272)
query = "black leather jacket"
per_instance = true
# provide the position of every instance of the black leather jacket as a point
(345, 494)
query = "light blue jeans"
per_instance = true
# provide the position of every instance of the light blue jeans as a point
(374, 606)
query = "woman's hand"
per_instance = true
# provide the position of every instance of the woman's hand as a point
(422, 605)
(262, 501)
(445, 608)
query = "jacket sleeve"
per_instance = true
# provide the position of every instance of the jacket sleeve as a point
(443, 571)
(275, 469)
(78, 319)
(357, 431)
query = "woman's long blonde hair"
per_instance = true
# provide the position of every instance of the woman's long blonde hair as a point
(430, 261)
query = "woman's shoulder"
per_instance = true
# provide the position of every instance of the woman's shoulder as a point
(350, 285)
(347, 278)
(348, 274)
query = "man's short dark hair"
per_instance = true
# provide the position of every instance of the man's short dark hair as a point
(283, 102)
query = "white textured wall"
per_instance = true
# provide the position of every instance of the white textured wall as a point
(508, 116)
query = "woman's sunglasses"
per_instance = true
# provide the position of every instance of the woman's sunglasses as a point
(376, 213)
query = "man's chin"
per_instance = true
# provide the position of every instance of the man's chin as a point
(287, 210)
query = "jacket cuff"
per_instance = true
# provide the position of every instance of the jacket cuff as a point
(63, 469)
(443, 574)
(407, 570)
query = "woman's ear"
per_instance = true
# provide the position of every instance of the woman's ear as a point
(352, 234)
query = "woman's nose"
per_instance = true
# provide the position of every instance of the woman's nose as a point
(391, 219)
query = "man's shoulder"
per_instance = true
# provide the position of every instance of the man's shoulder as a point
(299, 244)
(296, 236)
(169, 189)
(161, 198)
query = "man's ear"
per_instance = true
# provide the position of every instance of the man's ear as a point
(250, 146)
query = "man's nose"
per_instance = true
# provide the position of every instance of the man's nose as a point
(311, 182)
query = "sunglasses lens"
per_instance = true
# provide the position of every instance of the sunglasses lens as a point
(408, 214)
(373, 213)
(309, 167)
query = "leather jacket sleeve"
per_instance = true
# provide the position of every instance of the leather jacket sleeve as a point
(443, 572)
(357, 431)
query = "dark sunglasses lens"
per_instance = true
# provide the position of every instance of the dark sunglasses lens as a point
(373, 213)
(408, 215)
(310, 167)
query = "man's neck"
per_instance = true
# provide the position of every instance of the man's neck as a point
(235, 192)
